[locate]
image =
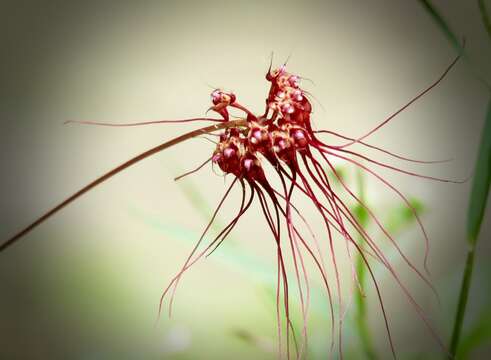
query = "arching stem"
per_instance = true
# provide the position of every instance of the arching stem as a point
(118, 169)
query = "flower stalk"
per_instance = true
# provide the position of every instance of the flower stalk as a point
(118, 169)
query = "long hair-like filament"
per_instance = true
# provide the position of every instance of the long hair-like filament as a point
(193, 171)
(304, 303)
(195, 248)
(117, 170)
(282, 270)
(385, 151)
(409, 103)
(216, 242)
(142, 123)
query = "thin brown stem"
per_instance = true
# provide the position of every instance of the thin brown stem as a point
(108, 175)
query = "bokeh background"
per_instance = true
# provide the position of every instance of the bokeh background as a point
(86, 284)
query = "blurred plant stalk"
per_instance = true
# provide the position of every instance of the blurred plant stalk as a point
(481, 180)
(475, 215)
(361, 320)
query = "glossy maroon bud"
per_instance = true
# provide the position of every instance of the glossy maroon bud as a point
(229, 153)
(216, 157)
(252, 169)
(215, 96)
(234, 133)
(300, 138)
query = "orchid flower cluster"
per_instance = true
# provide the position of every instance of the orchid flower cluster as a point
(282, 144)
(278, 139)
(283, 138)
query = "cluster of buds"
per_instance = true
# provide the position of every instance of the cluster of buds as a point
(238, 149)
(285, 94)
(277, 138)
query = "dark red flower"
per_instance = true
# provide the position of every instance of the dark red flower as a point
(283, 136)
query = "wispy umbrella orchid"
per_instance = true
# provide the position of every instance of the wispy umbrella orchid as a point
(284, 139)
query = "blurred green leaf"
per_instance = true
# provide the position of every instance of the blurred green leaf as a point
(361, 214)
(232, 256)
(245, 336)
(481, 182)
(478, 335)
(340, 170)
(477, 207)
(453, 39)
(478, 332)
(261, 343)
(485, 17)
(402, 216)
(442, 24)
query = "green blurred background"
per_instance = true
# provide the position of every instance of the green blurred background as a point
(87, 283)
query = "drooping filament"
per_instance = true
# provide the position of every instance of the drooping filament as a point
(301, 161)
